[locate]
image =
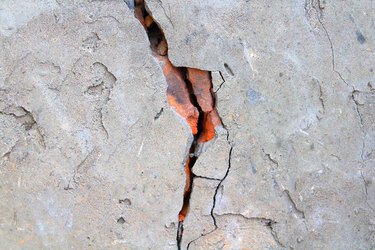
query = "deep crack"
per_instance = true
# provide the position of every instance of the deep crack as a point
(190, 93)
(214, 199)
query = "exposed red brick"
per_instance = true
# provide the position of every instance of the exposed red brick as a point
(210, 121)
(178, 95)
(215, 118)
(201, 83)
(189, 92)
(188, 182)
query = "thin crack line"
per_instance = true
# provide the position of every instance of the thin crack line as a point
(247, 217)
(102, 123)
(266, 221)
(206, 178)
(363, 163)
(184, 80)
(357, 109)
(202, 235)
(221, 84)
(218, 186)
(270, 158)
(216, 192)
(331, 46)
(352, 97)
(298, 211)
(165, 13)
(365, 183)
(274, 233)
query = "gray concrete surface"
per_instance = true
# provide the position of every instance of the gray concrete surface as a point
(92, 156)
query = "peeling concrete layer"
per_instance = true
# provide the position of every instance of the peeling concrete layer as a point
(92, 155)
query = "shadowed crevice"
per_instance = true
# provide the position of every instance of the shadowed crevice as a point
(190, 94)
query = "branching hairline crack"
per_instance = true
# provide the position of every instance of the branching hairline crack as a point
(274, 233)
(191, 95)
(362, 157)
(220, 183)
(353, 90)
(214, 198)
(221, 84)
(165, 13)
(330, 42)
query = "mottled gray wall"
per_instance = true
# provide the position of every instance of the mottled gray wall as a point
(88, 160)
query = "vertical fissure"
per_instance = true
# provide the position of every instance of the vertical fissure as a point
(190, 94)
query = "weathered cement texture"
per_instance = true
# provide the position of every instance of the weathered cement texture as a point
(92, 156)
(298, 103)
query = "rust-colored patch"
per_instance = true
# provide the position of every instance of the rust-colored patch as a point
(188, 182)
(162, 48)
(215, 118)
(178, 95)
(138, 13)
(148, 21)
(190, 93)
(202, 86)
(208, 130)
(201, 82)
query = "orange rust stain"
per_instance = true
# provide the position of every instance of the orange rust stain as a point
(148, 21)
(162, 48)
(181, 217)
(215, 118)
(210, 121)
(179, 97)
(201, 83)
(178, 94)
(138, 13)
(208, 129)
(185, 207)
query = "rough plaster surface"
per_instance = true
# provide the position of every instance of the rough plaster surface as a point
(92, 156)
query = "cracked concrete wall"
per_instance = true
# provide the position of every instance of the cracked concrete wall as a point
(92, 155)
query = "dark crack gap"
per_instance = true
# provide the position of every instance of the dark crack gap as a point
(214, 199)
(190, 93)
